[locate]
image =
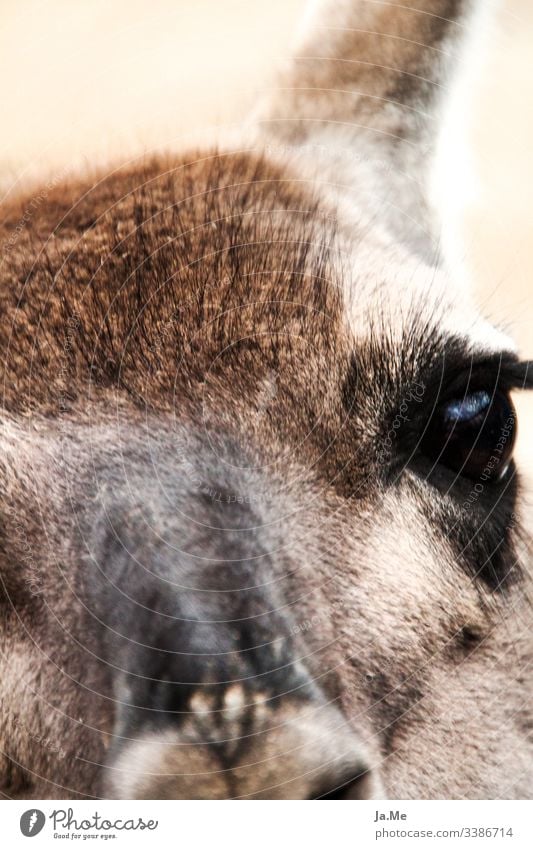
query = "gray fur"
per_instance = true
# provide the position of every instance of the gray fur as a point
(228, 567)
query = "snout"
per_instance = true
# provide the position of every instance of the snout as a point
(241, 746)
(213, 698)
(229, 712)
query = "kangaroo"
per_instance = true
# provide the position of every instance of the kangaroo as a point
(262, 532)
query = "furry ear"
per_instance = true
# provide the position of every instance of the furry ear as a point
(363, 96)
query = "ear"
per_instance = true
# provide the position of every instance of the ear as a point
(364, 95)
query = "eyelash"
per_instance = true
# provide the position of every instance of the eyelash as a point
(501, 374)
(496, 375)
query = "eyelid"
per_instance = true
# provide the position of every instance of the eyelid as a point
(457, 377)
(504, 372)
(520, 375)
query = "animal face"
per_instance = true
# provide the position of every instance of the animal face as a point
(261, 524)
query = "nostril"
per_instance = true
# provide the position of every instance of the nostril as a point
(359, 786)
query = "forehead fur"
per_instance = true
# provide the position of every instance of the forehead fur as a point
(142, 279)
(173, 273)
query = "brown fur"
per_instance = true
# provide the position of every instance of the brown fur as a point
(202, 359)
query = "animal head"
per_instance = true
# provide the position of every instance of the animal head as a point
(262, 530)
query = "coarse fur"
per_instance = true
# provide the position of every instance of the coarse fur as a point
(229, 566)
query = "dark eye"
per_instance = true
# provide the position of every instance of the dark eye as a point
(473, 435)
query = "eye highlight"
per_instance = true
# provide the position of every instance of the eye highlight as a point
(474, 435)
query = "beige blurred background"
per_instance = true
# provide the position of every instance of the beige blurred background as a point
(90, 81)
